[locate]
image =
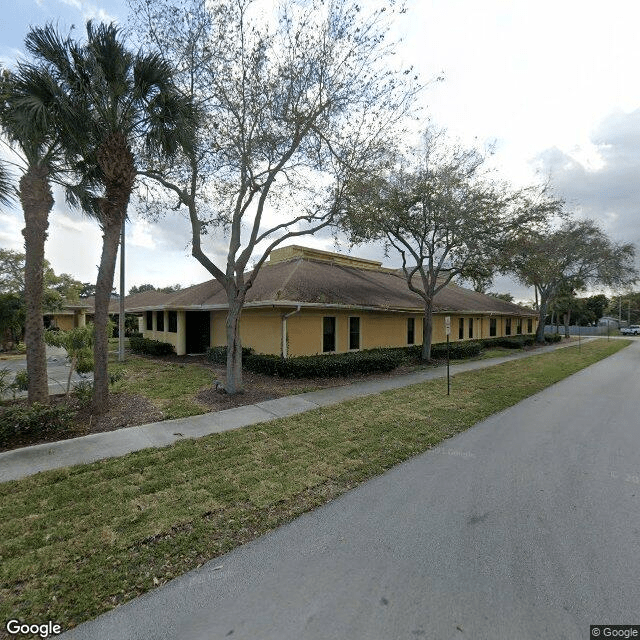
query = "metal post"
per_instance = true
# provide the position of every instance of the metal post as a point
(448, 379)
(121, 314)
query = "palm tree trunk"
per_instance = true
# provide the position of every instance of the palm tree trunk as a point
(37, 202)
(104, 284)
(118, 166)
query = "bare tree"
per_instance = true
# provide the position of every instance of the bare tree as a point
(292, 106)
(569, 257)
(444, 216)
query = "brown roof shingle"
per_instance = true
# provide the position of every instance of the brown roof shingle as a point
(316, 282)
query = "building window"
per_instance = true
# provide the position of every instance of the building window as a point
(149, 320)
(471, 327)
(460, 328)
(173, 321)
(328, 333)
(493, 327)
(411, 330)
(507, 326)
(529, 325)
(160, 320)
(354, 332)
(519, 326)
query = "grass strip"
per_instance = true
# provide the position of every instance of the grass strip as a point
(78, 541)
(171, 387)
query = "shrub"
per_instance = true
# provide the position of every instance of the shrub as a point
(83, 391)
(35, 420)
(552, 337)
(115, 377)
(21, 381)
(325, 366)
(150, 347)
(457, 350)
(5, 385)
(218, 355)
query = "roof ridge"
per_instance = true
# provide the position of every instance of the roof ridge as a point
(298, 262)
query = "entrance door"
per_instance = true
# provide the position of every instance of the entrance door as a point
(198, 331)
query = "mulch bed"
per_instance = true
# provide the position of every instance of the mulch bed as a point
(129, 410)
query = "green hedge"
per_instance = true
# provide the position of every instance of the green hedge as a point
(325, 366)
(510, 342)
(457, 350)
(218, 355)
(150, 347)
(552, 337)
(35, 420)
(366, 361)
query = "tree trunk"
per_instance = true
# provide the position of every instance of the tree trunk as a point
(234, 345)
(37, 201)
(542, 316)
(427, 330)
(118, 166)
(104, 284)
(567, 322)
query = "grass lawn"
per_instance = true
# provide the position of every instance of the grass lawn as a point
(76, 542)
(171, 387)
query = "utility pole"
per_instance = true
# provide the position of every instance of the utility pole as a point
(121, 314)
(619, 310)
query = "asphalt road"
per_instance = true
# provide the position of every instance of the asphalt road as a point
(526, 526)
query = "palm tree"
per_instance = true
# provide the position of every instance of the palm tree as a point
(117, 100)
(5, 185)
(28, 119)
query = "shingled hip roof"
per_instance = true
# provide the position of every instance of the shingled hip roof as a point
(318, 283)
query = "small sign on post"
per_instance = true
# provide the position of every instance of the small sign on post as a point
(447, 330)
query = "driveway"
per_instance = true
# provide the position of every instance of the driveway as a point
(57, 370)
(526, 526)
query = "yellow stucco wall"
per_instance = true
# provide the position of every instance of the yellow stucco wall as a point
(261, 329)
(63, 322)
(163, 336)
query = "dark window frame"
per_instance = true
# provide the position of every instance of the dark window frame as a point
(507, 326)
(329, 338)
(460, 328)
(519, 326)
(355, 334)
(149, 323)
(470, 329)
(160, 321)
(529, 325)
(172, 321)
(411, 331)
(493, 327)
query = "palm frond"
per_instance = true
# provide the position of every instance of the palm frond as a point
(6, 185)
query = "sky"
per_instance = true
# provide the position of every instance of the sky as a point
(553, 85)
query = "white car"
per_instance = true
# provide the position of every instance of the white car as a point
(631, 330)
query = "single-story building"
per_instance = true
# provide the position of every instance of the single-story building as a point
(305, 301)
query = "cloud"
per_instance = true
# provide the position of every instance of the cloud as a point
(607, 189)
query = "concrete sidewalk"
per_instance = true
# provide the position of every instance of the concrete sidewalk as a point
(20, 463)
